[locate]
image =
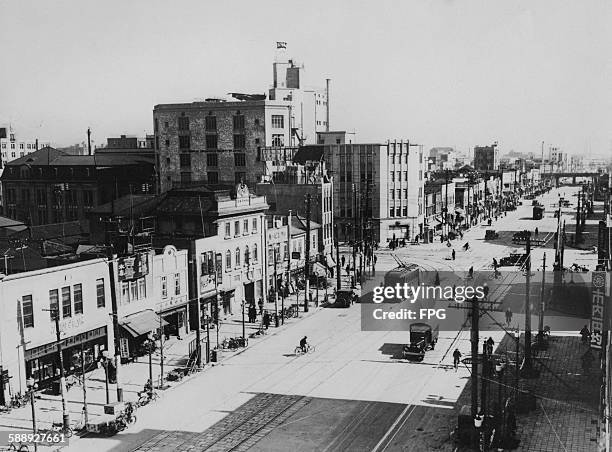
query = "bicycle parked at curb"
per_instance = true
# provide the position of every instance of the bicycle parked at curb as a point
(146, 397)
(58, 427)
(289, 312)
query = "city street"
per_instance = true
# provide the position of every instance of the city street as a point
(328, 400)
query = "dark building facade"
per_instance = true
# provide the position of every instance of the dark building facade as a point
(51, 186)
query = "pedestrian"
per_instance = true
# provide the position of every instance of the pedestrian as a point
(495, 265)
(343, 260)
(586, 334)
(348, 269)
(471, 272)
(453, 254)
(266, 320)
(261, 305)
(508, 316)
(375, 259)
(490, 342)
(456, 358)
(485, 290)
(536, 232)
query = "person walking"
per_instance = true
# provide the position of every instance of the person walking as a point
(471, 272)
(508, 316)
(453, 254)
(266, 320)
(343, 260)
(490, 343)
(586, 334)
(261, 305)
(536, 231)
(456, 359)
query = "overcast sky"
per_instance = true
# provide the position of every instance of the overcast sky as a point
(441, 73)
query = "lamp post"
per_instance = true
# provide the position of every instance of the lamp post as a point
(150, 347)
(478, 424)
(31, 388)
(499, 369)
(243, 327)
(65, 416)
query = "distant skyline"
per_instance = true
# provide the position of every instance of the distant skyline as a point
(440, 73)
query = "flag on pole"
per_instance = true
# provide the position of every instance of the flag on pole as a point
(281, 45)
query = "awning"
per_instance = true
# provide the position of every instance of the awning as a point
(142, 322)
(329, 260)
(318, 269)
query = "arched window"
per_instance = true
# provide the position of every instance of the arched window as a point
(247, 257)
(237, 257)
(228, 260)
(255, 257)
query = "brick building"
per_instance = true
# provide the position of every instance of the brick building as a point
(51, 186)
(486, 158)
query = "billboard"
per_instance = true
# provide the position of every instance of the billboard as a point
(133, 267)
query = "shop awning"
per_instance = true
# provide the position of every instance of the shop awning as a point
(329, 260)
(142, 322)
(318, 269)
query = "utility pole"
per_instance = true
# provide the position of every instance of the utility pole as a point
(446, 206)
(194, 296)
(528, 364)
(474, 342)
(58, 335)
(89, 141)
(578, 220)
(307, 259)
(85, 411)
(542, 303)
(338, 269)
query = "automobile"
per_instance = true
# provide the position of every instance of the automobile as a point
(423, 337)
(344, 298)
(490, 234)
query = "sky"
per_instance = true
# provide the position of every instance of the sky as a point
(438, 72)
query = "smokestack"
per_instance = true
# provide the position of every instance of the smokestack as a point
(327, 109)
(37, 144)
(89, 140)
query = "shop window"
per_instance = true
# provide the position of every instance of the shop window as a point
(100, 295)
(66, 302)
(77, 291)
(125, 292)
(27, 311)
(177, 284)
(164, 287)
(53, 303)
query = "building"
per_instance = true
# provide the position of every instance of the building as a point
(379, 184)
(220, 140)
(50, 186)
(441, 158)
(152, 293)
(290, 178)
(441, 216)
(131, 142)
(13, 147)
(81, 293)
(486, 158)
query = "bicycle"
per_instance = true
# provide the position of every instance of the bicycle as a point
(289, 312)
(309, 349)
(126, 418)
(146, 397)
(58, 427)
(18, 447)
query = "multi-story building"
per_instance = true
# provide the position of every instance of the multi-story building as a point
(80, 292)
(12, 147)
(378, 183)
(486, 158)
(441, 217)
(290, 178)
(220, 140)
(442, 158)
(50, 186)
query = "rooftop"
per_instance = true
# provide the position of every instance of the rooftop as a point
(49, 156)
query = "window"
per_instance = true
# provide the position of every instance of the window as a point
(183, 123)
(133, 291)
(245, 227)
(398, 212)
(254, 226)
(247, 255)
(66, 302)
(406, 176)
(164, 287)
(399, 193)
(278, 121)
(27, 310)
(211, 122)
(255, 256)
(236, 228)
(239, 141)
(239, 121)
(212, 159)
(211, 141)
(212, 177)
(240, 159)
(177, 284)
(228, 260)
(392, 159)
(77, 291)
(184, 142)
(405, 211)
(167, 142)
(228, 232)
(391, 212)
(53, 303)
(405, 193)
(142, 288)
(20, 145)
(125, 292)
(392, 194)
(185, 159)
(100, 295)
(239, 177)
(278, 140)
(237, 257)
(392, 176)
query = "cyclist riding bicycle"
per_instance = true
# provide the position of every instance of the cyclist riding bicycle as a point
(304, 344)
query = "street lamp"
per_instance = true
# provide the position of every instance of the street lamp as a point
(32, 385)
(149, 346)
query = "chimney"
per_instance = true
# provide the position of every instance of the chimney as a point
(89, 141)
(327, 109)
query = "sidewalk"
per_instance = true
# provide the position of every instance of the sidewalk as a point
(134, 375)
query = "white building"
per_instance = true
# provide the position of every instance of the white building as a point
(81, 293)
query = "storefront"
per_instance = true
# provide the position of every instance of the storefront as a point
(176, 321)
(136, 329)
(42, 363)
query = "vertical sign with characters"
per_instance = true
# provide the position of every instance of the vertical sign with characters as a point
(598, 290)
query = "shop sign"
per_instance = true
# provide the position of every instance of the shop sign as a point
(77, 339)
(598, 282)
(133, 267)
(70, 323)
(124, 347)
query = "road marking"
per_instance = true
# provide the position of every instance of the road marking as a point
(393, 426)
